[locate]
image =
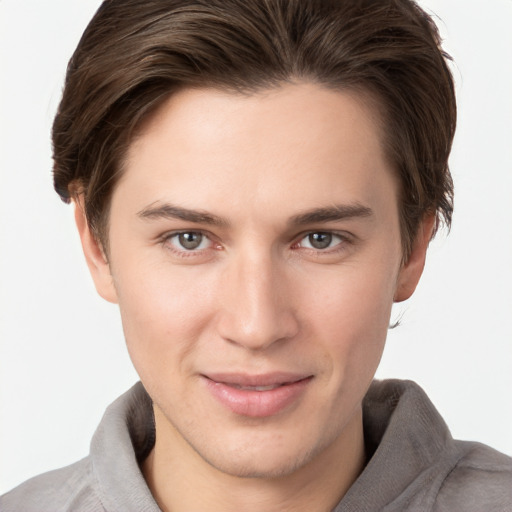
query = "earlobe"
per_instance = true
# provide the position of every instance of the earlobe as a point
(94, 254)
(410, 273)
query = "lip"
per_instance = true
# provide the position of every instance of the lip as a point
(257, 396)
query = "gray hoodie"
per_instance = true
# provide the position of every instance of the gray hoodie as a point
(413, 463)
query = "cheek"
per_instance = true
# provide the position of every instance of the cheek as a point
(352, 318)
(163, 315)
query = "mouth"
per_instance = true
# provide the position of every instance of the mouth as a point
(257, 396)
(257, 388)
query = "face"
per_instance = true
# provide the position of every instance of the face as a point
(255, 255)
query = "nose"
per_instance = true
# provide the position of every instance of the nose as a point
(256, 307)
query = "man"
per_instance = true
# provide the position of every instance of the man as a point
(255, 185)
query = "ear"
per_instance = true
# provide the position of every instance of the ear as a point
(94, 254)
(410, 273)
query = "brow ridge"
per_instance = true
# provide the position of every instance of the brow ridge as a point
(168, 211)
(316, 215)
(331, 213)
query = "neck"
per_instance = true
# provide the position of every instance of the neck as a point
(180, 480)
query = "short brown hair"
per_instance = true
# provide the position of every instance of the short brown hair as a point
(135, 53)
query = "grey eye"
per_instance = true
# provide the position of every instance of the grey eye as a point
(190, 240)
(320, 240)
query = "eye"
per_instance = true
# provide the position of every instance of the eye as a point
(189, 241)
(320, 240)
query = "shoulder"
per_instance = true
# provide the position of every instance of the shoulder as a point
(71, 488)
(480, 480)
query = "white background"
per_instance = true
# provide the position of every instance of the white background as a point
(62, 355)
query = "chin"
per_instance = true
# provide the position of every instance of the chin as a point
(261, 457)
(262, 468)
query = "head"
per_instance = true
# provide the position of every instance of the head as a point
(257, 183)
(134, 55)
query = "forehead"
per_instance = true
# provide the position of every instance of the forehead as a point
(298, 143)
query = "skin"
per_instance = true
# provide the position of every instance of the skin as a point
(259, 294)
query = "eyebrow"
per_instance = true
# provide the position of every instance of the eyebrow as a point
(168, 211)
(316, 215)
(331, 213)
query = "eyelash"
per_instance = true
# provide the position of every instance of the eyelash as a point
(340, 246)
(167, 240)
(343, 239)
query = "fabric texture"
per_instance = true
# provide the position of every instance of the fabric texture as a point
(414, 464)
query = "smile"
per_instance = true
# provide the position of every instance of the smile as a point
(257, 396)
(257, 388)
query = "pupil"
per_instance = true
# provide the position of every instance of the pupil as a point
(320, 240)
(190, 240)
